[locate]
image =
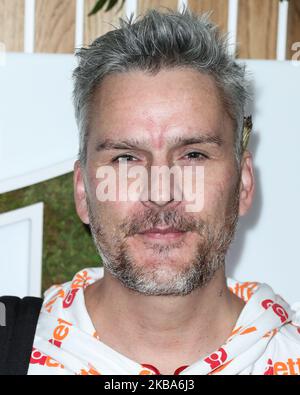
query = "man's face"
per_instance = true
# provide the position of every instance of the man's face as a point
(159, 113)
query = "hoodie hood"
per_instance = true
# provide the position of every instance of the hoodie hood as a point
(66, 341)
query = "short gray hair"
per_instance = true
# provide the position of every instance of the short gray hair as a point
(161, 40)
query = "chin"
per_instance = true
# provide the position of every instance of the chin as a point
(175, 260)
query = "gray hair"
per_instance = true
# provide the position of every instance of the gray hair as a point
(161, 40)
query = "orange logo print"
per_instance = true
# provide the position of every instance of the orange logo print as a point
(91, 372)
(61, 331)
(244, 290)
(81, 280)
(248, 330)
(38, 357)
(59, 294)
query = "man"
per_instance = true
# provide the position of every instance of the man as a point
(163, 92)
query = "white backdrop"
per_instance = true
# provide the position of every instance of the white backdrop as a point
(38, 140)
(266, 246)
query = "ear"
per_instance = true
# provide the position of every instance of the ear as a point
(80, 193)
(247, 184)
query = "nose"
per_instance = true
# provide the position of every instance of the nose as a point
(160, 204)
(162, 190)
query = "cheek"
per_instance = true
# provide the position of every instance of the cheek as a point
(218, 189)
(112, 215)
(111, 212)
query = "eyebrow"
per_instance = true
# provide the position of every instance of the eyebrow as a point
(200, 139)
(109, 144)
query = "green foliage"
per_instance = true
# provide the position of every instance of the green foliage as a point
(67, 244)
(110, 4)
(101, 3)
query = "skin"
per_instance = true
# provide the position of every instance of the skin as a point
(165, 331)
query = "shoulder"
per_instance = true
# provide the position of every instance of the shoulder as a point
(65, 293)
(244, 290)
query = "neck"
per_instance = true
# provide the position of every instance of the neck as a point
(145, 327)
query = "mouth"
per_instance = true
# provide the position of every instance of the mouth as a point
(168, 233)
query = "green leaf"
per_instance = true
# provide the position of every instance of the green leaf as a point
(97, 7)
(111, 4)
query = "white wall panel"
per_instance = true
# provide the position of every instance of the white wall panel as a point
(21, 234)
(38, 134)
(267, 243)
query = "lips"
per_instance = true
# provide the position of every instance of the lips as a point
(163, 234)
(162, 231)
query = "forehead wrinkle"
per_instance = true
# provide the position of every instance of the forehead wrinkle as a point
(154, 127)
(171, 142)
(157, 138)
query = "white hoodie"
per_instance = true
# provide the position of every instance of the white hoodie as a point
(265, 340)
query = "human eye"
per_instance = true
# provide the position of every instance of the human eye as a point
(195, 155)
(123, 158)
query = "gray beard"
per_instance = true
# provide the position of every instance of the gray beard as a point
(209, 257)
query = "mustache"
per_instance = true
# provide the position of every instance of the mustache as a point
(144, 221)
